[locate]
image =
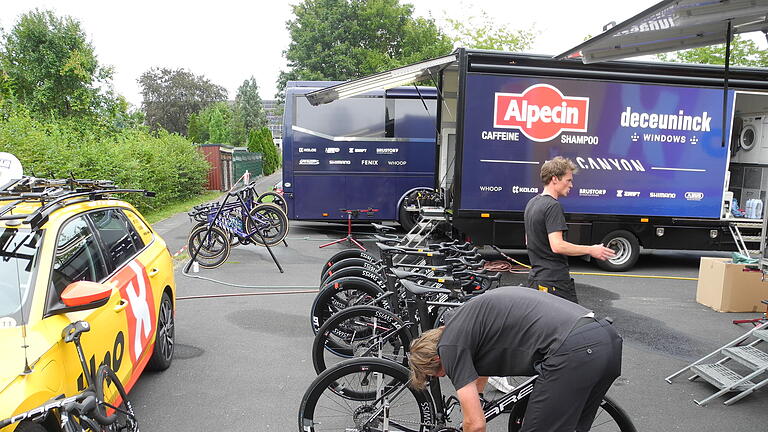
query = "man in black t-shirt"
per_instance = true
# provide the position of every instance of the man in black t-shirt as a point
(544, 233)
(513, 331)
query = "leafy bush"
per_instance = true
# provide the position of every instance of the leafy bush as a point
(165, 163)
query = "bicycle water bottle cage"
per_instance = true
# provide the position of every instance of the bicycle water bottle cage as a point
(73, 330)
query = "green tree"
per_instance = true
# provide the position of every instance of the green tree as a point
(197, 129)
(344, 39)
(171, 95)
(744, 52)
(49, 65)
(199, 125)
(481, 32)
(249, 104)
(217, 127)
(255, 142)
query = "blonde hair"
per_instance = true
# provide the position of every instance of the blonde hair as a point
(423, 357)
(556, 167)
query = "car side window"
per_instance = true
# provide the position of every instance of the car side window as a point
(77, 256)
(121, 241)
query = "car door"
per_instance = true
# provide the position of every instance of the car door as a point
(122, 246)
(77, 257)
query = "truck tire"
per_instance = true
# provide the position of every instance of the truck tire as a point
(407, 218)
(627, 249)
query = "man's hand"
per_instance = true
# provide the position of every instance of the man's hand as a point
(601, 252)
(471, 409)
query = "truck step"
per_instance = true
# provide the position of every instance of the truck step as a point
(761, 334)
(749, 356)
(755, 239)
(755, 225)
(720, 376)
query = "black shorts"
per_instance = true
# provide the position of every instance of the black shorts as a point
(562, 288)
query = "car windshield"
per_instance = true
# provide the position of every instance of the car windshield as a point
(18, 260)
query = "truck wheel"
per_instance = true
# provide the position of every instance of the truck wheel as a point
(407, 218)
(627, 249)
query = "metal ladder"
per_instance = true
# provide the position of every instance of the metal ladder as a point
(430, 218)
(742, 352)
(742, 240)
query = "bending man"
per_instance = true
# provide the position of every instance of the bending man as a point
(513, 331)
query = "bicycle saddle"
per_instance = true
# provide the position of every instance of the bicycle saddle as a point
(393, 240)
(405, 274)
(384, 229)
(417, 289)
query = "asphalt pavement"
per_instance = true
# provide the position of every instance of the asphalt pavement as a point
(243, 338)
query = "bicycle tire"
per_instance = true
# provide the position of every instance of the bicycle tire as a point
(357, 271)
(114, 403)
(352, 386)
(278, 225)
(348, 253)
(355, 330)
(341, 294)
(273, 198)
(350, 262)
(209, 253)
(610, 417)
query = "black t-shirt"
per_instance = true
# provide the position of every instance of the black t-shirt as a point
(544, 215)
(505, 332)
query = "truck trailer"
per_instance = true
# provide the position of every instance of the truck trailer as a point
(372, 151)
(647, 137)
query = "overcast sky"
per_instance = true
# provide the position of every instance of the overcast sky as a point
(228, 41)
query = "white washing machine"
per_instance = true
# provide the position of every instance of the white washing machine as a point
(753, 140)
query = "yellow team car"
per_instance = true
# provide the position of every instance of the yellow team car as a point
(54, 233)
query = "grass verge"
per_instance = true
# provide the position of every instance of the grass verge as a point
(180, 206)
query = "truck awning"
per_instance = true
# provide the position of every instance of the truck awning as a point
(384, 80)
(673, 25)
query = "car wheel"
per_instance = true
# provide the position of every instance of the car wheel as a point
(165, 334)
(627, 249)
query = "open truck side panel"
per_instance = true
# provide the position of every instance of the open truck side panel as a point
(646, 137)
(368, 151)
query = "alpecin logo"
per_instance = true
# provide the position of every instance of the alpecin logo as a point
(540, 112)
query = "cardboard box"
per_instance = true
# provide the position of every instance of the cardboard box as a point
(727, 287)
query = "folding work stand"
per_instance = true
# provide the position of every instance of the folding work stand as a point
(349, 238)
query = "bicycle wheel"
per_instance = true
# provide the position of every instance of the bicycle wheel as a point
(209, 251)
(113, 402)
(273, 198)
(341, 294)
(610, 417)
(348, 253)
(360, 331)
(349, 262)
(271, 223)
(356, 271)
(352, 396)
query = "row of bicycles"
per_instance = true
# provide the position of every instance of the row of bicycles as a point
(243, 217)
(102, 406)
(368, 310)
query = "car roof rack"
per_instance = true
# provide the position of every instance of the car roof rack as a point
(52, 194)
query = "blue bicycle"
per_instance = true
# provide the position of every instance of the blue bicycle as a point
(238, 219)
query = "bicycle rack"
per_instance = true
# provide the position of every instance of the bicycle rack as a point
(236, 193)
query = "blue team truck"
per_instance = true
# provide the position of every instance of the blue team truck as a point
(661, 152)
(374, 151)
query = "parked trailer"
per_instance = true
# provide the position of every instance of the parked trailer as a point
(646, 137)
(375, 150)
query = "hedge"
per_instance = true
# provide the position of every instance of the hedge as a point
(165, 163)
